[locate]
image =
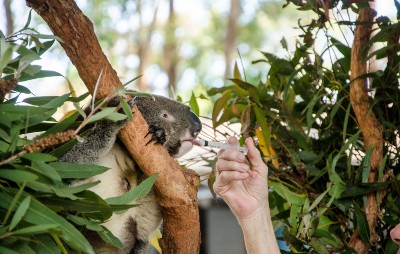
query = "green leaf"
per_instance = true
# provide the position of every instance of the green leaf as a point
(262, 121)
(71, 170)
(20, 212)
(47, 36)
(236, 72)
(294, 198)
(137, 192)
(130, 81)
(44, 244)
(40, 74)
(193, 104)
(115, 117)
(47, 170)
(6, 56)
(80, 110)
(346, 121)
(42, 215)
(284, 43)
(5, 250)
(219, 106)
(61, 126)
(345, 50)
(17, 176)
(251, 89)
(366, 165)
(362, 189)
(34, 230)
(318, 200)
(289, 102)
(101, 115)
(29, 58)
(362, 223)
(352, 140)
(22, 89)
(13, 203)
(39, 157)
(108, 237)
(28, 21)
(318, 246)
(126, 108)
(69, 191)
(85, 222)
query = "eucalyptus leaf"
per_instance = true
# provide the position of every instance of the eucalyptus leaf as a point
(17, 176)
(127, 109)
(362, 223)
(41, 215)
(20, 212)
(194, 105)
(39, 157)
(136, 192)
(37, 229)
(71, 170)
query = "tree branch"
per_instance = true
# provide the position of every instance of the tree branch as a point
(176, 194)
(368, 123)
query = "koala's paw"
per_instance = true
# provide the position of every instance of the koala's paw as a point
(115, 102)
(158, 135)
(132, 102)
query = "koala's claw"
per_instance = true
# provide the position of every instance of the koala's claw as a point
(132, 102)
(158, 135)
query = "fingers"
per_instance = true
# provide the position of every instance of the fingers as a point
(227, 177)
(230, 165)
(253, 154)
(231, 155)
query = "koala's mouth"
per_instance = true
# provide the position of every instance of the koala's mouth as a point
(191, 141)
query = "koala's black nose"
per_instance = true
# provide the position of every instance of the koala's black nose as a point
(195, 124)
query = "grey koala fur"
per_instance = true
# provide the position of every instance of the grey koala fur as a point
(171, 124)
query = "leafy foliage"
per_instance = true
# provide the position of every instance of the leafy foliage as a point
(308, 134)
(40, 211)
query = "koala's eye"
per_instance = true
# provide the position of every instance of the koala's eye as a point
(166, 116)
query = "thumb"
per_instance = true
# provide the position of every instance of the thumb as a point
(253, 154)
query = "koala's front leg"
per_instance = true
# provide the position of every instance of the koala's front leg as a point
(97, 143)
(158, 135)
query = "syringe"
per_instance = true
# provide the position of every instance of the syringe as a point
(220, 145)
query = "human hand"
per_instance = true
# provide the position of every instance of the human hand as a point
(395, 234)
(241, 183)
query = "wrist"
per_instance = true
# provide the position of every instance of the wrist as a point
(258, 232)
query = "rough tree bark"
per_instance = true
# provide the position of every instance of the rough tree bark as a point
(367, 121)
(176, 189)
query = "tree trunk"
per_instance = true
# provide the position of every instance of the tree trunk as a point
(368, 123)
(9, 17)
(170, 48)
(231, 35)
(175, 188)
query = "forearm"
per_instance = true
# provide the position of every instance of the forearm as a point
(259, 233)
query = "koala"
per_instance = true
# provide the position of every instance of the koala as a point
(171, 124)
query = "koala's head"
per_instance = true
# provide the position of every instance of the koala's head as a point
(174, 119)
